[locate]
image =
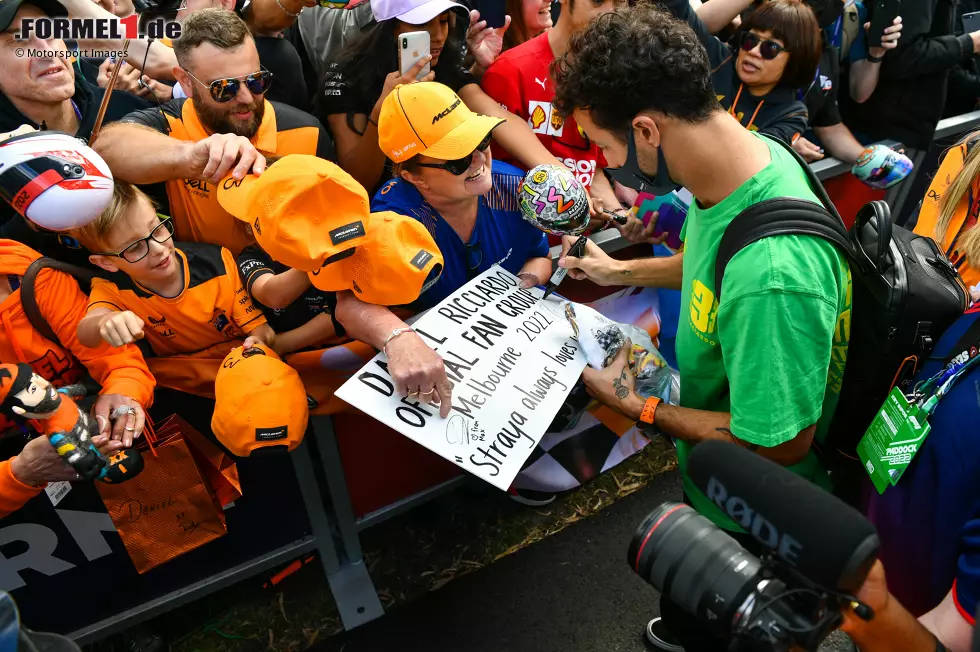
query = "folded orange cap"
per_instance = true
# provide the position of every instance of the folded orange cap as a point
(302, 209)
(260, 403)
(398, 263)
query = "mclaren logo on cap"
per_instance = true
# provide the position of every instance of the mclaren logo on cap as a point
(347, 232)
(271, 434)
(421, 259)
(255, 225)
(452, 107)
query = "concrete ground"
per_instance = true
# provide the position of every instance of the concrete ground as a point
(572, 592)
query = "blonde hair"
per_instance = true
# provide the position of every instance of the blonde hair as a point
(957, 192)
(125, 197)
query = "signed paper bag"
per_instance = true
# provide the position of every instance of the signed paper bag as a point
(168, 509)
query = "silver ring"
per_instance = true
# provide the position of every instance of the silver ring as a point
(122, 410)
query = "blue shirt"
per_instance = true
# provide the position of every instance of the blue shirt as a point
(500, 236)
(929, 523)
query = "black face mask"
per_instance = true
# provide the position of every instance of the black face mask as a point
(631, 176)
(826, 11)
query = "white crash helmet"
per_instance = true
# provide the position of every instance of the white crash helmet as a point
(54, 180)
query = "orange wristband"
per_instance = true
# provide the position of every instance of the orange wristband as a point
(649, 410)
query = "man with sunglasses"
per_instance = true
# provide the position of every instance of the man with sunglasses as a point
(446, 178)
(224, 127)
(760, 366)
(519, 80)
(156, 59)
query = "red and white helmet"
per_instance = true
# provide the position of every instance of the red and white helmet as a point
(54, 180)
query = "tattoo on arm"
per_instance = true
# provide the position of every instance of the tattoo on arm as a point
(622, 391)
(744, 444)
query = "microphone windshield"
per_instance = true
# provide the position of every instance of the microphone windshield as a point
(826, 540)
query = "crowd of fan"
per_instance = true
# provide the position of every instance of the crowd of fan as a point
(183, 277)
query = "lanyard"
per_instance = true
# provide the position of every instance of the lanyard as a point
(941, 383)
(835, 39)
(800, 94)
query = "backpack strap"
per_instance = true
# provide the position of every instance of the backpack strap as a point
(28, 296)
(779, 216)
(793, 216)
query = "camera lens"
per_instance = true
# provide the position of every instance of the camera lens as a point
(404, 42)
(700, 567)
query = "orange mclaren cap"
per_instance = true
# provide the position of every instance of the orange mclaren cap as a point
(398, 263)
(429, 118)
(302, 209)
(260, 403)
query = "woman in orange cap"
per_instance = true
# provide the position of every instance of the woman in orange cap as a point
(447, 180)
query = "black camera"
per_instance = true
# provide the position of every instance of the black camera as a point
(818, 554)
(743, 598)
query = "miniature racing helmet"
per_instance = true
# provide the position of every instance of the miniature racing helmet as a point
(54, 180)
(554, 201)
(881, 167)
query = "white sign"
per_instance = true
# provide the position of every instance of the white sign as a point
(512, 358)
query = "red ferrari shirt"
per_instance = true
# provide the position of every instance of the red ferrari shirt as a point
(519, 80)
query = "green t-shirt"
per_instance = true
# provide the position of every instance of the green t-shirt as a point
(773, 352)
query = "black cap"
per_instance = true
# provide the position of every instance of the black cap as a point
(8, 9)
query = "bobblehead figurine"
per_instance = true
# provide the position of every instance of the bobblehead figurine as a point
(69, 429)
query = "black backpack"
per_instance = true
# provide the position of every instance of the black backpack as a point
(905, 294)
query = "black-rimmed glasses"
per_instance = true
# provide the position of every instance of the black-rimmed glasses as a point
(137, 251)
(769, 50)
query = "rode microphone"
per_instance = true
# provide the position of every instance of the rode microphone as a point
(827, 541)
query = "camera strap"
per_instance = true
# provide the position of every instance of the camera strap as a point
(902, 425)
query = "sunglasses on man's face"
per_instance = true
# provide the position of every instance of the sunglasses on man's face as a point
(769, 49)
(460, 165)
(225, 90)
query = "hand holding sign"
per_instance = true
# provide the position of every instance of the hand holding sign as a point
(418, 371)
(510, 359)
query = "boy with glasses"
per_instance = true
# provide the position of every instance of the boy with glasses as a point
(182, 300)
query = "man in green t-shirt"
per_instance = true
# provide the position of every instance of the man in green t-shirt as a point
(763, 366)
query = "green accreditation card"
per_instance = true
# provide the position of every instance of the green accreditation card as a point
(892, 440)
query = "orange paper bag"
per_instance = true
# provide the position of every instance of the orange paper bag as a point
(166, 510)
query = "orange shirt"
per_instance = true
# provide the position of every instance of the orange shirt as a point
(965, 217)
(194, 207)
(63, 304)
(13, 492)
(213, 307)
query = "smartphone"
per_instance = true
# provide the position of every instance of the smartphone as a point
(412, 46)
(971, 22)
(883, 13)
(492, 11)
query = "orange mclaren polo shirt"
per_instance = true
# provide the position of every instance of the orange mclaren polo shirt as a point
(194, 204)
